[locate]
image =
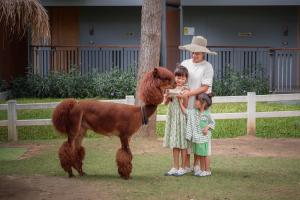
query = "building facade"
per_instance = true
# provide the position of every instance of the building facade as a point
(98, 35)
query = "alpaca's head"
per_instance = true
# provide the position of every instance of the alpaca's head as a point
(154, 83)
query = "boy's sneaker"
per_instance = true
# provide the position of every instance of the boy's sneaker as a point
(204, 173)
(198, 173)
(180, 172)
(172, 172)
(197, 170)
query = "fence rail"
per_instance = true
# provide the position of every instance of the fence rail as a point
(89, 59)
(243, 59)
(280, 66)
(12, 122)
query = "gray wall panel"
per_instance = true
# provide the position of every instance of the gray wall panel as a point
(112, 25)
(221, 25)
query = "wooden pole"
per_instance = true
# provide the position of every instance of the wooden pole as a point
(251, 112)
(150, 50)
(12, 120)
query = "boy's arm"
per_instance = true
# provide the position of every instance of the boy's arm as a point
(211, 122)
(211, 125)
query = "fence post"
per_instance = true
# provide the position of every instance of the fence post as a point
(130, 100)
(12, 121)
(251, 112)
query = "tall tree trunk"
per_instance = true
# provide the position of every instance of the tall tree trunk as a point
(150, 49)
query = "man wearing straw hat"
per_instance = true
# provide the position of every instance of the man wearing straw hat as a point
(200, 80)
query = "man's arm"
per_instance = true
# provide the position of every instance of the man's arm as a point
(195, 92)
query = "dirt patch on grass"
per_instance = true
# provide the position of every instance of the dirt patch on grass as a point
(240, 146)
(32, 149)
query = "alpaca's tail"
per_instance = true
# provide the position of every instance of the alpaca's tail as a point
(61, 116)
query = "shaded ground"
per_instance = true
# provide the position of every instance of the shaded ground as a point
(44, 187)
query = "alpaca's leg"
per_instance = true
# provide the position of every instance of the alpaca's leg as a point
(124, 158)
(65, 157)
(79, 152)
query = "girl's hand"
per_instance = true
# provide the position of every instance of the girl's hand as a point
(166, 98)
(180, 100)
(205, 130)
(166, 93)
(185, 93)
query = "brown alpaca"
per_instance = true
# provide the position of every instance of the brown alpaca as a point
(73, 118)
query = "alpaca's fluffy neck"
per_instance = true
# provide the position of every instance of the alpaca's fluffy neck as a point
(149, 110)
(149, 90)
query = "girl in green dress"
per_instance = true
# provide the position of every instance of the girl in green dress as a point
(175, 130)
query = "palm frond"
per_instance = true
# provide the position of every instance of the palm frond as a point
(20, 16)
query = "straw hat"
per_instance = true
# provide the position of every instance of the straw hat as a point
(198, 44)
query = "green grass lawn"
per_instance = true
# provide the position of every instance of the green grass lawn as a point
(272, 127)
(242, 178)
(11, 153)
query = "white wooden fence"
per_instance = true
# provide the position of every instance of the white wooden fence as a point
(12, 122)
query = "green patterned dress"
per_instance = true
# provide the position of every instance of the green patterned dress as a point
(175, 129)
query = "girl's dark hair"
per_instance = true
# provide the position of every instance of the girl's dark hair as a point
(181, 71)
(204, 97)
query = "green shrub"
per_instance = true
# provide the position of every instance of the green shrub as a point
(114, 84)
(3, 85)
(71, 84)
(236, 83)
(19, 87)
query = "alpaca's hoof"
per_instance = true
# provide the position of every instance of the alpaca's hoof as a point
(83, 174)
(71, 175)
(126, 177)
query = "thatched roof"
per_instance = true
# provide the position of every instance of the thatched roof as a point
(20, 16)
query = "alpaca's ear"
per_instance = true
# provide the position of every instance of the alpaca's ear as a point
(155, 73)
